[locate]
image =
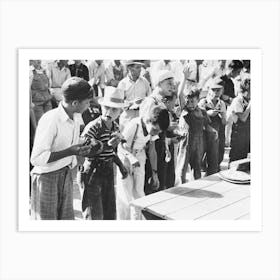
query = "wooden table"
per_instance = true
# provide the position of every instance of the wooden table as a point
(209, 198)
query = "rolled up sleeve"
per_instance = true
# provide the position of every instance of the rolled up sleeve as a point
(44, 137)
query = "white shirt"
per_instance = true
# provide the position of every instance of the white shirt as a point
(237, 105)
(96, 73)
(55, 132)
(134, 90)
(155, 99)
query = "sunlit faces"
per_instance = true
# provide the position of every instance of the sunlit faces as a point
(110, 113)
(191, 103)
(167, 86)
(134, 71)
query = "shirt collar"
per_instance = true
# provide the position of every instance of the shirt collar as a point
(62, 113)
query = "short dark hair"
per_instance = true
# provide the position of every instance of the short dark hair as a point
(76, 89)
(159, 115)
(235, 65)
(194, 92)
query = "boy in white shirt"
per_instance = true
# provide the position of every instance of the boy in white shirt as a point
(55, 148)
(137, 134)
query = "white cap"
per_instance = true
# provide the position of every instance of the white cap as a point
(164, 75)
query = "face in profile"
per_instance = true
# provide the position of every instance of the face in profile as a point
(81, 106)
(235, 73)
(167, 86)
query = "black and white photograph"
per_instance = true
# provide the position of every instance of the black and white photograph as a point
(140, 139)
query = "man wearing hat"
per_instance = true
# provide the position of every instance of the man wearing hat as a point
(55, 148)
(135, 89)
(164, 87)
(99, 202)
(216, 111)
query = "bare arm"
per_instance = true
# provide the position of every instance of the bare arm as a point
(244, 116)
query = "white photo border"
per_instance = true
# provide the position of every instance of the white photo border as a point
(255, 221)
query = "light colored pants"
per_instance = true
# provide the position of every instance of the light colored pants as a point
(130, 188)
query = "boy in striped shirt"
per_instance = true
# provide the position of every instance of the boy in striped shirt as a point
(99, 202)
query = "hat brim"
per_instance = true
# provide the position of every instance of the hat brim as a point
(103, 102)
(216, 86)
(137, 63)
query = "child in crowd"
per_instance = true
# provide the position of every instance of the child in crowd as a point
(54, 152)
(216, 111)
(138, 132)
(239, 111)
(92, 112)
(171, 140)
(193, 122)
(97, 175)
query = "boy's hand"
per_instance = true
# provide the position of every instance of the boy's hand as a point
(79, 150)
(114, 141)
(187, 73)
(156, 181)
(212, 113)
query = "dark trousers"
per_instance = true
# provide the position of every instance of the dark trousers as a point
(99, 200)
(191, 151)
(170, 170)
(161, 163)
(211, 157)
(240, 141)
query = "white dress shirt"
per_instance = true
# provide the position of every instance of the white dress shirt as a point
(55, 132)
(134, 90)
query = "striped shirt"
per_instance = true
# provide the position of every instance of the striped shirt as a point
(98, 130)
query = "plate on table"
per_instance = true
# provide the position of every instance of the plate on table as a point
(235, 176)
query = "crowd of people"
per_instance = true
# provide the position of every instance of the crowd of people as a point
(132, 128)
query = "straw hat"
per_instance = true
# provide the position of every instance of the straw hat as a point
(113, 97)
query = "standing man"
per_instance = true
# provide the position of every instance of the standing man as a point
(55, 148)
(135, 89)
(97, 76)
(164, 87)
(58, 73)
(115, 72)
(78, 69)
(39, 87)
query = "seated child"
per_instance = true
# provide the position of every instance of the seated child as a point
(98, 201)
(192, 123)
(137, 134)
